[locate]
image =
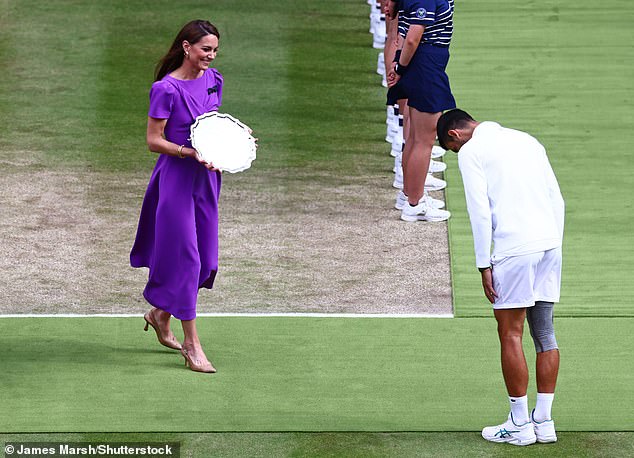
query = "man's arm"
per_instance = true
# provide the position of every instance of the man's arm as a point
(487, 284)
(557, 200)
(475, 187)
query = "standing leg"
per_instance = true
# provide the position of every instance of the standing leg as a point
(192, 350)
(514, 368)
(540, 321)
(160, 322)
(517, 430)
(417, 152)
(404, 109)
(547, 371)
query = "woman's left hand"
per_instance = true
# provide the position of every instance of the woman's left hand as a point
(254, 138)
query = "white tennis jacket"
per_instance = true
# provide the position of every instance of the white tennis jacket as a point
(513, 197)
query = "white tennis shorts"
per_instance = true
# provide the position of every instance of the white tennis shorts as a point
(520, 281)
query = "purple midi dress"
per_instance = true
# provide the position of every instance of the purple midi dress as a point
(177, 236)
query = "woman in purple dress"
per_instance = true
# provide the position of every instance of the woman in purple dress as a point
(177, 237)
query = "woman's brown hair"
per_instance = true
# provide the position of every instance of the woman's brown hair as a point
(192, 32)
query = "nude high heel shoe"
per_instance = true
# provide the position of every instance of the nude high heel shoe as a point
(196, 365)
(169, 342)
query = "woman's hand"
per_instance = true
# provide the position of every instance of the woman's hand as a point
(254, 138)
(191, 152)
(392, 76)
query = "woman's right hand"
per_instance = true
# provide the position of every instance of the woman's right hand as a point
(193, 153)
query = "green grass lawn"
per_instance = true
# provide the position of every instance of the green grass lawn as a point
(298, 374)
(362, 445)
(303, 375)
(542, 72)
(74, 96)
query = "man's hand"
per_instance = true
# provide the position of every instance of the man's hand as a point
(487, 285)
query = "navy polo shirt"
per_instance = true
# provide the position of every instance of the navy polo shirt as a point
(435, 15)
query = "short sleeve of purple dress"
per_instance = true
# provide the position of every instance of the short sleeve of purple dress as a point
(177, 236)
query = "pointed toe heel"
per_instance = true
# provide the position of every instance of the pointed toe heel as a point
(166, 342)
(195, 366)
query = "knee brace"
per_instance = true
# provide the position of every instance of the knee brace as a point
(540, 323)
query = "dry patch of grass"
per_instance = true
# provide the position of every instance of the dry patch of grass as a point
(288, 243)
(326, 244)
(64, 238)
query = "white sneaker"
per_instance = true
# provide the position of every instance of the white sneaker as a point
(423, 212)
(393, 129)
(379, 32)
(375, 17)
(401, 201)
(397, 145)
(389, 114)
(398, 178)
(380, 64)
(509, 432)
(431, 182)
(398, 163)
(437, 151)
(544, 430)
(437, 166)
(434, 184)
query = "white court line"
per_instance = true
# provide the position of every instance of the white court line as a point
(238, 315)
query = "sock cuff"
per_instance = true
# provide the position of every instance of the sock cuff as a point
(519, 400)
(546, 396)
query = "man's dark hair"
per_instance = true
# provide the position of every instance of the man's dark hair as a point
(452, 119)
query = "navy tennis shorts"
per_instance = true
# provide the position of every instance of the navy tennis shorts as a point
(425, 84)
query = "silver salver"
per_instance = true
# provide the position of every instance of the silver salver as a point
(223, 141)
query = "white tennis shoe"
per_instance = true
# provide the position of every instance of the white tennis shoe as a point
(398, 178)
(437, 166)
(434, 184)
(423, 212)
(397, 144)
(380, 64)
(398, 162)
(544, 430)
(379, 33)
(510, 433)
(393, 129)
(431, 182)
(437, 151)
(401, 201)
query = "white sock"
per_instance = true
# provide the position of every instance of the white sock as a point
(543, 407)
(519, 410)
